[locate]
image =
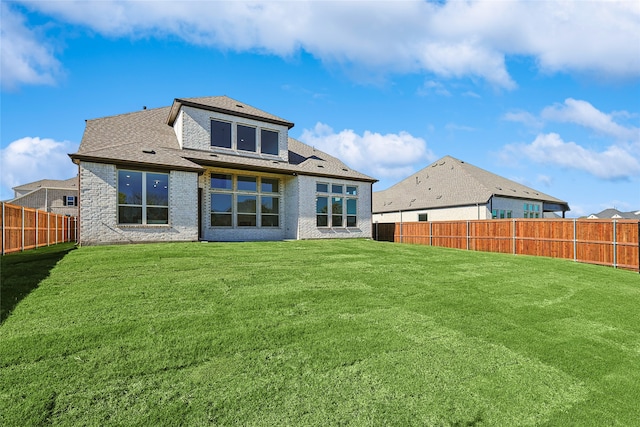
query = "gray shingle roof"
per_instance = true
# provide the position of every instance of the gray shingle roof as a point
(71, 184)
(144, 138)
(224, 104)
(451, 182)
(615, 213)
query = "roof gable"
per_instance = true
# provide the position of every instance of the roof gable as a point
(224, 104)
(451, 182)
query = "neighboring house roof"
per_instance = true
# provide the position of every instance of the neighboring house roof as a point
(614, 213)
(58, 184)
(451, 182)
(145, 138)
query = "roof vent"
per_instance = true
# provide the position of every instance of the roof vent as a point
(439, 197)
(148, 151)
(239, 106)
(345, 169)
(213, 155)
(320, 166)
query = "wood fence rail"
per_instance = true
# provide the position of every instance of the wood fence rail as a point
(611, 242)
(26, 228)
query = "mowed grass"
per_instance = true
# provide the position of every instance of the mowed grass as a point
(344, 332)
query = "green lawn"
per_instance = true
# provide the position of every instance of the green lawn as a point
(347, 332)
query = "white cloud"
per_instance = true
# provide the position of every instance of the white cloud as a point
(546, 180)
(524, 117)
(613, 163)
(586, 115)
(470, 39)
(389, 156)
(24, 59)
(30, 159)
(431, 86)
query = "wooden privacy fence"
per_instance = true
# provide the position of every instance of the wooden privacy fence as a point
(26, 228)
(611, 242)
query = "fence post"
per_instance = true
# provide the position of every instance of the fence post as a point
(4, 238)
(468, 235)
(37, 231)
(615, 248)
(513, 231)
(22, 230)
(575, 239)
(430, 233)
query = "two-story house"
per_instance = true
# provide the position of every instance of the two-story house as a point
(213, 169)
(49, 195)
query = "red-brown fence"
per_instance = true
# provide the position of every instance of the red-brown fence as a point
(612, 242)
(26, 228)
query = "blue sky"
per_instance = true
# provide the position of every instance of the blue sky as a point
(545, 93)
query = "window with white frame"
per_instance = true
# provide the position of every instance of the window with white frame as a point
(143, 197)
(247, 138)
(336, 205)
(244, 201)
(70, 200)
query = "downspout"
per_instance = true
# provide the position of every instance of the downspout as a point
(78, 212)
(371, 210)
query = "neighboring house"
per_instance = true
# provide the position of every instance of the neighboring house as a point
(212, 169)
(49, 195)
(451, 189)
(615, 214)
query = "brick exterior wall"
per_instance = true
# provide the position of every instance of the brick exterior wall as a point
(194, 127)
(297, 211)
(98, 209)
(239, 234)
(307, 228)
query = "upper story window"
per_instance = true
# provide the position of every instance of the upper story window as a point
(269, 142)
(220, 134)
(70, 201)
(244, 137)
